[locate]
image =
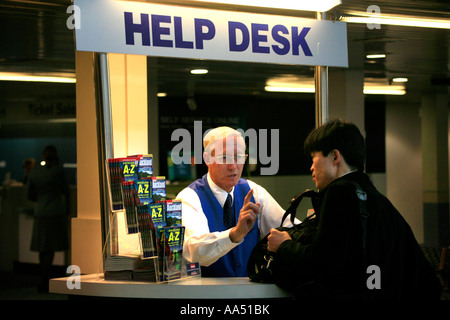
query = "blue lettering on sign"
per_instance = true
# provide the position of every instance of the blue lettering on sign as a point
(298, 39)
(276, 30)
(160, 31)
(240, 37)
(232, 32)
(200, 36)
(179, 42)
(259, 36)
(131, 29)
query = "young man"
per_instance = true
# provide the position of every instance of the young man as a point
(223, 249)
(347, 260)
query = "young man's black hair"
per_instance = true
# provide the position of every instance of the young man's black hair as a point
(341, 135)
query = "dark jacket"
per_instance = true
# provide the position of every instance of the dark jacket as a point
(335, 265)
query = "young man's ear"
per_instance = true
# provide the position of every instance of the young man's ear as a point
(336, 156)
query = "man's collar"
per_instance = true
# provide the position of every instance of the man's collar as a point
(221, 195)
(347, 173)
(345, 176)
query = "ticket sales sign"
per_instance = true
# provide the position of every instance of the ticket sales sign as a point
(182, 32)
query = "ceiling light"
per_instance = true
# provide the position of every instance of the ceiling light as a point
(400, 80)
(382, 86)
(382, 90)
(11, 76)
(295, 84)
(62, 120)
(69, 165)
(317, 5)
(290, 89)
(290, 83)
(199, 71)
(377, 19)
(385, 90)
(161, 94)
(376, 56)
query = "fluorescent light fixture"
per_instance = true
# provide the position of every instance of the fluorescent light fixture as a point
(161, 94)
(69, 165)
(290, 83)
(290, 89)
(378, 19)
(388, 90)
(295, 84)
(376, 56)
(382, 86)
(400, 80)
(316, 5)
(62, 120)
(11, 76)
(199, 71)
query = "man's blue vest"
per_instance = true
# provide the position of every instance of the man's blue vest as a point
(234, 263)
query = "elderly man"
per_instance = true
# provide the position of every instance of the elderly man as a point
(221, 240)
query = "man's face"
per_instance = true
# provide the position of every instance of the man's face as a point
(323, 169)
(226, 173)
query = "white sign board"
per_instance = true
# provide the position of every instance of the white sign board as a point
(171, 31)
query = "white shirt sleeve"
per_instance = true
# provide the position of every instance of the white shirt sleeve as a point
(271, 212)
(205, 247)
(201, 245)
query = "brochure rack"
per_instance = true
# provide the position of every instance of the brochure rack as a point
(145, 237)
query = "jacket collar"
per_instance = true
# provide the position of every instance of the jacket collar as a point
(351, 176)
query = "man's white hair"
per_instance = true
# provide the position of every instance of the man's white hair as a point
(219, 134)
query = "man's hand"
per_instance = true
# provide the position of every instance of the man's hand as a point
(276, 238)
(246, 220)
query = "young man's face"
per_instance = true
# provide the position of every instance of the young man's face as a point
(223, 172)
(323, 169)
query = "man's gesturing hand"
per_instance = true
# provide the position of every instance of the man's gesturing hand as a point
(247, 218)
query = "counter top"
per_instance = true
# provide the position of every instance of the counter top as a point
(195, 288)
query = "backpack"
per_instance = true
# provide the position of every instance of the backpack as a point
(261, 265)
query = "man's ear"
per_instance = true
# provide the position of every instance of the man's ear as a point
(208, 159)
(336, 156)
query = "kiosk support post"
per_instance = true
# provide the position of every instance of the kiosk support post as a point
(104, 136)
(321, 87)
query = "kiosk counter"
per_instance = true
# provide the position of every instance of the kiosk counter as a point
(94, 285)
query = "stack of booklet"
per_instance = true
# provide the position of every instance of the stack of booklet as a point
(129, 268)
(155, 219)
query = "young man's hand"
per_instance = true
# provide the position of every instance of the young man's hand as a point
(276, 238)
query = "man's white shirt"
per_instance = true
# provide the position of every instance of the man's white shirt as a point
(206, 247)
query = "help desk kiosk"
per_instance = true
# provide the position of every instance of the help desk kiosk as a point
(96, 33)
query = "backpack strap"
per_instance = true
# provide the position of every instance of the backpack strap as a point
(292, 210)
(364, 213)
(362, 198)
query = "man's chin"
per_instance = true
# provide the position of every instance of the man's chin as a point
(231, 181)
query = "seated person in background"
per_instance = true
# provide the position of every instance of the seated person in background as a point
(345, 259)
(222, 246)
